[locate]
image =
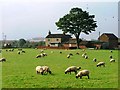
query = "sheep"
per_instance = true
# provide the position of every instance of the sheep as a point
(38, 56)
(46, 69)
(2, 60)
(101, 64)
(112, 60)
(71, 54)
(83, 55)
(44, 54)
(18, 52)
(39, 70)
(94, 60)
(83, 73)
(111, 51)
(23, 51)
(110, 56)
(42, 51)
(77, 53)
(72, 69)
(86, 57)
(68, 56)
(60, 52)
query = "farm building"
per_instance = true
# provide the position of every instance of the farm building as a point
(109, 39)
(56, 40)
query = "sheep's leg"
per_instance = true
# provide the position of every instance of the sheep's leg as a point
(80, 77)
(88, 77)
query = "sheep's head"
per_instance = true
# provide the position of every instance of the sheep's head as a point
(76, 76)
(65, 72)
(78, 68)
(97, 65)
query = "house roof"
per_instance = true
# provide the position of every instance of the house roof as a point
(58, 36)
(111, 36)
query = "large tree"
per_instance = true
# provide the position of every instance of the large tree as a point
(21, 42)
(77, 21)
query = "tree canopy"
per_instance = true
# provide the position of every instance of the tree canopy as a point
(77, 21)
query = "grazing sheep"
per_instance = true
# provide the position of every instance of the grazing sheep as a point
(71, 54)
(83, 55)
(86, 57)
(39, 70)
(23, 51)
(60, 52)
(44, 54)
(38, 56)
(77, 53)
(46, 69)
(110, 56)
(2, 60)
(101, 64)
(94, 60)
(72, 69)
(112, 60)
(83, 73)
(111, 51)
(18, 52)
(68, 56)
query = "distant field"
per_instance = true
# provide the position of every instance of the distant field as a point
(19, 70)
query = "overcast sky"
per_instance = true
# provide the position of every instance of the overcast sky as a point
(34, 18)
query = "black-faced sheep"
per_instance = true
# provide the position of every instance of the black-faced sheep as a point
(86, 57)
(110, 57)
(39, 70)
(68, 56)
(83, 73)
(2, 60)
(94, 60)
(38, 56)
(18, 52)
(101, 64)
(77, 53)
(72, 69)
(83, 55)
(23, 51)
(60, 52)
(44, 54)
(46, 69)
(111, 51)
(71, 54)
(112, 60)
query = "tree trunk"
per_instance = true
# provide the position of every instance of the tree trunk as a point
(78, 42)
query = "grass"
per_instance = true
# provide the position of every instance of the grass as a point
(19, 70)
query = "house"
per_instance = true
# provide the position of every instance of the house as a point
(56, 40)
(110, 40)
(72, 43)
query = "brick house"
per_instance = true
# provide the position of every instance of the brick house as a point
(110, 39)
(56, 40)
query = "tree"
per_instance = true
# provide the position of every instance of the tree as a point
(21, 42)
(75, 22)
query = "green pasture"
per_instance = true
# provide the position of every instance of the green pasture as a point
(19, 70)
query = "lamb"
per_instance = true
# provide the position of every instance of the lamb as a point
(112, 60)
(72, 69)
(46, 69)
(83, 73)
(101, 64)
(39, 70)
(2, 60)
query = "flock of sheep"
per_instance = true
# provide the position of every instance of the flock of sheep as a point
(45, 69)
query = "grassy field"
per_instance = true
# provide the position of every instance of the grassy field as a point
(19, 70)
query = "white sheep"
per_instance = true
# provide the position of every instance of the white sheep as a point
(2, 60)
(83, 55)
(39, 70)
(83, 73)
(101, 64)
(38, 56)
(112, 60)
(68, 56)
(18, 52)
(86, 57)
(46, 69)
(94, 60)
(72, 69)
